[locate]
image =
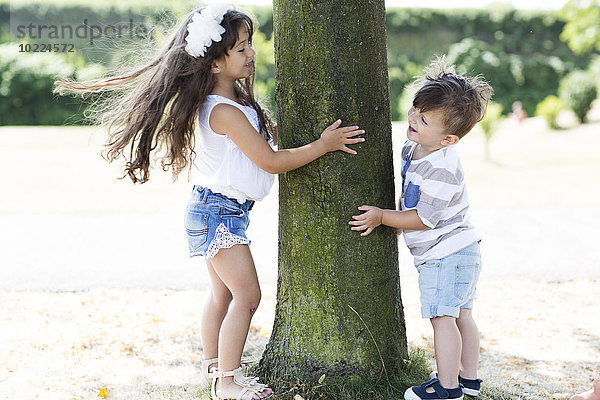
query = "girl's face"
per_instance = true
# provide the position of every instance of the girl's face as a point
(239, 63)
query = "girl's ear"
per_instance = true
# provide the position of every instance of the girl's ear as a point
(449, 140)
(215, 69)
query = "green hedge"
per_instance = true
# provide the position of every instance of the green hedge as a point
(26, 90)
(513, 77)
(519, 52)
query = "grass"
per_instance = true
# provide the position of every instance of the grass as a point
(413, 372)
(58, 170)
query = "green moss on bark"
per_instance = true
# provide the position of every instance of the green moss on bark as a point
(331, 63)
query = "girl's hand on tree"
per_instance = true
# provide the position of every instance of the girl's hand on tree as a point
(336, 138)
(369, 220)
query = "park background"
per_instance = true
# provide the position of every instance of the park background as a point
(96, 288)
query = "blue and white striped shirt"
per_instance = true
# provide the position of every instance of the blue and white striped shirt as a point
(434, 186)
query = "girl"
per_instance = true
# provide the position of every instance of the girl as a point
(206, 73)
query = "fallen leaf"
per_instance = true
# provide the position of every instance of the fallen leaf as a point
(322, 378)
(298, 397)
(264, 333)
(103, 393)
(561, 396)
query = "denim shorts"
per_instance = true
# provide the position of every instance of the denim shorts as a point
(448, 284)
(214, 221)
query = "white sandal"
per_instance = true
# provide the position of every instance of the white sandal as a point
(206, 369)
(249, 386)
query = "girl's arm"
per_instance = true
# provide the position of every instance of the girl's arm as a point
(228, 120)
(375, 216)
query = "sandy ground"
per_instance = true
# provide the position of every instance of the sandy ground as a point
(96, 290)
(539, 340)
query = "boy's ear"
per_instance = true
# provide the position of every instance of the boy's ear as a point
(449, 140)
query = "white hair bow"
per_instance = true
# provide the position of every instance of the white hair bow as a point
(205, 29)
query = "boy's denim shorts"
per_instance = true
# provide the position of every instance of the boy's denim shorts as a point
(214, 221)
(448, 284)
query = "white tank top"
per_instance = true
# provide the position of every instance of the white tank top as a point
(220, 165)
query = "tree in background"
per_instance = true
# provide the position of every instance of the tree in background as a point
(582, 30)
(578, 91)
(338, 309)
(489, 125)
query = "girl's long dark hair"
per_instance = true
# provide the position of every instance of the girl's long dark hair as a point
(155, 106)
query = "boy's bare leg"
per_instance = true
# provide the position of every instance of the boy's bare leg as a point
(448, 346)
(469, 360)
(593, 394)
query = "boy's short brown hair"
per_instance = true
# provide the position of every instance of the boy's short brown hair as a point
(462, 100)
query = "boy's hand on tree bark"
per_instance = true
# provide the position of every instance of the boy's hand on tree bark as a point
(367, 221)
(399, 231)
(336, 138)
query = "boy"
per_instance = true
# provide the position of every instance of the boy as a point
(433, 216)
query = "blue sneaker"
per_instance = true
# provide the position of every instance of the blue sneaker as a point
(470, 387)
(420, 392)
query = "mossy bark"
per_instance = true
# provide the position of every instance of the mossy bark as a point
(331, 62)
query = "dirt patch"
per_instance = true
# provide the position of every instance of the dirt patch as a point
(539, 340)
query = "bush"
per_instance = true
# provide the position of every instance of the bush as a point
(405, 102)
(578, 91)
(489, 124)
(492, 118)
(26, 89)
(594, 69)
(514, 77)
(525, 42)
(549, 108)
(265, 70)
(531, 57)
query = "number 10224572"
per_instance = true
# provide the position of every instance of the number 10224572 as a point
(47, 48)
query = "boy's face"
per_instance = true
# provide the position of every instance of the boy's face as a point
(427, 128)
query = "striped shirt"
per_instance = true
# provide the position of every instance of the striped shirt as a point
(434, 186)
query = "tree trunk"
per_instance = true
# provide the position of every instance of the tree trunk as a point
(338, 309)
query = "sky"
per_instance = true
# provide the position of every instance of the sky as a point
(529, 4)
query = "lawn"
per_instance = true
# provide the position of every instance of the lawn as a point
(97, 289)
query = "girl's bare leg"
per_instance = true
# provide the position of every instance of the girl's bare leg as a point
(214, 312)
(235, 268)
